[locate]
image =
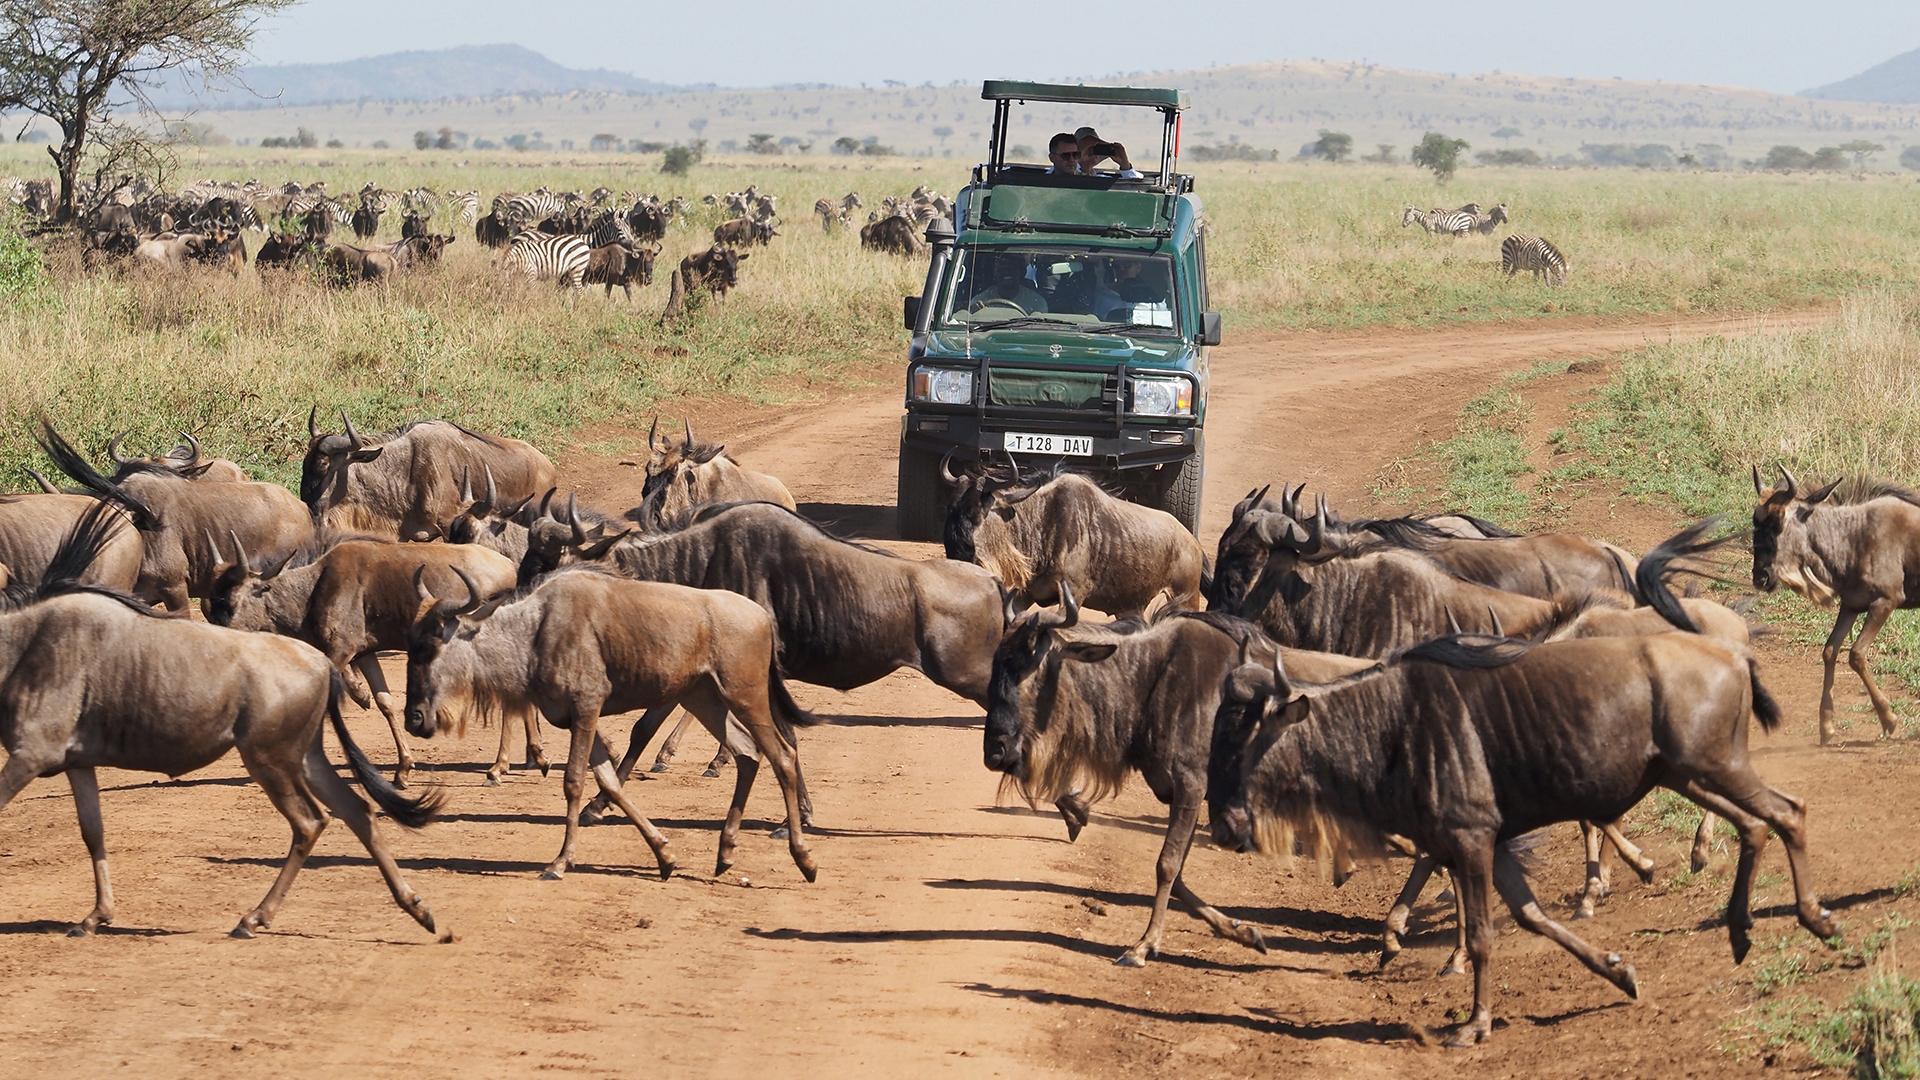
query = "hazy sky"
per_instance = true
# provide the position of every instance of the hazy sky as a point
(1766, 44)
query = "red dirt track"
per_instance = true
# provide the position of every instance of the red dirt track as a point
(947, 934)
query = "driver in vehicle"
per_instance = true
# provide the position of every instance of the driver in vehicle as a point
(1005, 274)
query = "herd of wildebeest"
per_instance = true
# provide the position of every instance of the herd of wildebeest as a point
(571, 238)
(1324, 685)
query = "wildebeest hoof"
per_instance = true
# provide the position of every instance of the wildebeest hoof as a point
(552, 873)
(445, 938)
(1454, 966)
(1251, 937)
(1132, 958)
(1624, 976)
(493, 778)
(1740, 946)
(667, 867)
(589, 816)
(1472, 1033)
(807, 869)
(780, 832)
(1445, 896)
(1698, 862)
(80, 930)
(659, 766)
(711, 772)
(1645, 872)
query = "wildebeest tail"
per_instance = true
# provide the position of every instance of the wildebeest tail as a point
(1526, 850)
(1487, 528)
(1765, 709)
(75, 466)
(787, 713)
(1651, 577)
(415, 812)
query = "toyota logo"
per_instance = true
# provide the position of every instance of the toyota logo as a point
(1053, 350)
(1053, 391)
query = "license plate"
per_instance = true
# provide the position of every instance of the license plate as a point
(1063, 445)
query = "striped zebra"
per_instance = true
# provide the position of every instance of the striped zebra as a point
(534, 206)
(1413, 215)
(468, 203)
(1484, 224)
(1534, 253)
(610, 227)
(545, 257)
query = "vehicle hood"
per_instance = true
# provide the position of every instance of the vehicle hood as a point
(1075, 349)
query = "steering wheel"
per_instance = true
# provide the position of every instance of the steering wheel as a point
(1000, 302)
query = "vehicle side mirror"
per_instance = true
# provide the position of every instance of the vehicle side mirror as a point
(911, 309)
(1210, 328)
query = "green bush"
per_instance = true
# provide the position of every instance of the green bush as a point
(22, 271)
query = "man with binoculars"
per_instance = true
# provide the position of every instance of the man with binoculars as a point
(1079, 152)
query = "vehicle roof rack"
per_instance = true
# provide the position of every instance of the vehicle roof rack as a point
(1071, 93)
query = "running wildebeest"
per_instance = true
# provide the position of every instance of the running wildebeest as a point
(353, 597)
(1859, 553)
(1072, 714)
(98, 679)
(1467, 743)
(583, 643)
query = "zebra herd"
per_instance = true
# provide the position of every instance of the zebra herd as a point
(1519, 251)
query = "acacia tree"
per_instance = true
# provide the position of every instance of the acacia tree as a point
(76, 61)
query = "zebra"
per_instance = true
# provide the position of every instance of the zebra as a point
(1414, 216)
(468, 203)
(609, 227)
(1455, 223)
(1535, 253)
(543, 256)
(1484, 223)
(529, 208)
(420, 201)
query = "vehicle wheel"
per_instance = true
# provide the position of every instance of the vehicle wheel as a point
(919, 509)
(1179, 493)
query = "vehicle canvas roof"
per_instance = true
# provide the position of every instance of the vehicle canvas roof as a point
(1015, 90)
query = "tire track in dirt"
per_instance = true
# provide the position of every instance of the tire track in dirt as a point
(946, 935)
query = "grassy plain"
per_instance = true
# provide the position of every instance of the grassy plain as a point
(240, 360)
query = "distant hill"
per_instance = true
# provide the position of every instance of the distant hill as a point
(469, 71)
(1897, 81)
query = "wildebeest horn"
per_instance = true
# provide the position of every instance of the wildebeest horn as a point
(239, 552)
(573, 519)
(1453, 623)
(1013, 464)
(546, 502)
(1008, 612)
(113, 449)
(194, 444)
(946, 466)
(688, 421)
(1793, 486)
(1758, 487)
(466, 486)
(1069, 607)
(40, 478)
(313, 428)
(474, 596)
(653, 429)
(214, 547)
(1498, 630)
(1317, 533)
(352, 435)
(493, 493)
(420, 583)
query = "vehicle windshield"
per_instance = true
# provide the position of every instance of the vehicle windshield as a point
(1091, 291)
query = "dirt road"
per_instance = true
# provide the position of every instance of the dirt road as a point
(946, 934)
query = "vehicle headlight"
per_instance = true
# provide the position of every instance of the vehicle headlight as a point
(945, 386)
(1162, 397)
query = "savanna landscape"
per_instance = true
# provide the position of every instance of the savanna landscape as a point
(1713, 326)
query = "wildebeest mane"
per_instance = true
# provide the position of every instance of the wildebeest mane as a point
(308, 551)
(1478, 652)
(1859, 489)
(1487, 528)
(1409, 533)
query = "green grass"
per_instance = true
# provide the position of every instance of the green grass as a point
(1679, 426)
(1873, 1033)
(1485, 460)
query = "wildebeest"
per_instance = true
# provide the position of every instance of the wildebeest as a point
(1077, 712)
(344, 264)
(285, 250)
(353, 598)
(407, 481)
(175, 517)
(98, 679)
(703, 474)
(186, 460)
(491, 231)
(1859, 551)
(584, 643)
(1465, 744)
(716, 270)
(744, 232)
(618, 264)
(1034, 536)
(32, 528)
(892, 234)
(366, 221)
(412, 225)
(172, 254)
(1543, 565)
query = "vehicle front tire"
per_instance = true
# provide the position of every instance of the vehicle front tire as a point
(919, 510)
(1177, 490)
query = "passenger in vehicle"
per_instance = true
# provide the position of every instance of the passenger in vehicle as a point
(1063, 151)
(1093, 151)
(1002, 276)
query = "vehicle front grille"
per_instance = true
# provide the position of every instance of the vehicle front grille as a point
(1046, 389)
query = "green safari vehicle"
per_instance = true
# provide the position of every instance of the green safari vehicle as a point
(1064, 320)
